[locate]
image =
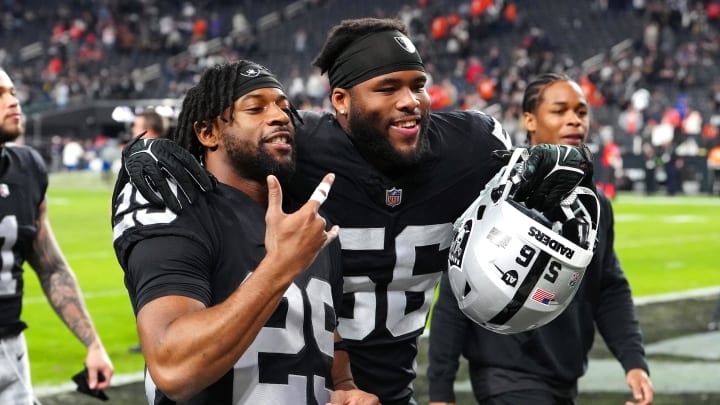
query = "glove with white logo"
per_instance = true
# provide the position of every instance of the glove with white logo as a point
(550, 174)
(151, 162)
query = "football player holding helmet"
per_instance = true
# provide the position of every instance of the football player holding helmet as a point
(512, 268)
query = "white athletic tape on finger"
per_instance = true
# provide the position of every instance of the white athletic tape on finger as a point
(321, 192)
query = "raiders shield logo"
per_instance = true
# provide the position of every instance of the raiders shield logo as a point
(405, 43)
(393, 197)
(251, 72)
(459, 242)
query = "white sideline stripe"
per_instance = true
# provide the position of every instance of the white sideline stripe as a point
(665, 241)
(88, 296)
(643, 200)
(676, 296)
(89, 255)
(58, 201)
(669, 219)
(117, 380)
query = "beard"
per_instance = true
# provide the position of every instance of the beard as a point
(375, 146)
(252, 162)
(9, 135)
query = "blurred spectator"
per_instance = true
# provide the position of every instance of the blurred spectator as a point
(610, 163)
(651, 164)
(713, 164)
(316, 87)
(72, 154)
(151, 123)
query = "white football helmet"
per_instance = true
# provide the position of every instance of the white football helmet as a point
(510, 268)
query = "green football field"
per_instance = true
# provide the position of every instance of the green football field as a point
(665, 245)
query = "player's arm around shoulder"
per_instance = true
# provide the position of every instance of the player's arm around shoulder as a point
(63, 292)
(486, 125)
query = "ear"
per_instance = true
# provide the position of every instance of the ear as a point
(207, 134)
(340, 99)
(530, 123)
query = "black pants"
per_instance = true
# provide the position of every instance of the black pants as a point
(527, 397)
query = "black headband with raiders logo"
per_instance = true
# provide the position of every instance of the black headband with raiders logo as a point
(373, 55)
(253, 76)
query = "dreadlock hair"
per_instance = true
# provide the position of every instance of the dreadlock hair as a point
(217, 90)
(345, 33)
(534, 91)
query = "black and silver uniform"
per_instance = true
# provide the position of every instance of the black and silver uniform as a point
(395, 234)
(22, 190)
(205, 254)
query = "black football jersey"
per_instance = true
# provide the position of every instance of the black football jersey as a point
(22, 190)
(205, 253)
(394, 233)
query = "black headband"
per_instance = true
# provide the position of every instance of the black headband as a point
(253, 77)
(373, 55)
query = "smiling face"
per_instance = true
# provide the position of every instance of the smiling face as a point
(388, 117)
(259, 139)
(11, 126)
(561, 116)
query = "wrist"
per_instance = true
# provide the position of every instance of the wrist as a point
(344, 384)
(95, 344)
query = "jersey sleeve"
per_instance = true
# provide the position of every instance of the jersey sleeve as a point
(169, 265)
(40, 169)
(615, 314)
(28, 165)
(161, 252)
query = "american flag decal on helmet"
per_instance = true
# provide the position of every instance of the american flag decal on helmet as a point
(542, 296)
(393, 197)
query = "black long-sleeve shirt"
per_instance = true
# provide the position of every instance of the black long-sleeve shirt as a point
(552, 357)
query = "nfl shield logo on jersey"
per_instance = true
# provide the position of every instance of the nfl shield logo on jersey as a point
(393, 197)
(4, 190)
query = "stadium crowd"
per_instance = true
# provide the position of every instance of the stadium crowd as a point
(654, 95)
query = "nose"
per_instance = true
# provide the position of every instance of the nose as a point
(277, 115)
(575, 118)
(409, 100)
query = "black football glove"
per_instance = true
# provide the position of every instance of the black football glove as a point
(150, 162)
(550, 174)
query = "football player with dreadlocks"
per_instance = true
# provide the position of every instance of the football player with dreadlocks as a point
(403, 175)
(235, 299)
